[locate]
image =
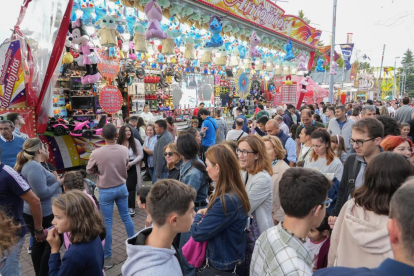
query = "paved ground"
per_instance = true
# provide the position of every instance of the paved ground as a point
(118, 244)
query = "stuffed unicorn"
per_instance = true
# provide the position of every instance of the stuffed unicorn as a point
(154, 15)
(289, 54)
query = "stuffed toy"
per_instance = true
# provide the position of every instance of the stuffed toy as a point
(234, 59)
(215, 27)
(168, 44)
(87, 8)
(132, 54)
(175, 27)
(131, 18)
(288, 80)
(334, 66)
(140, 44)
(154, 15)
(75, 8)
(254, 42)
(142, 3)
(67, 57)
(242, 51)
(221, 56)
(195, 17)
(196, 35)
(87, 57)
(187, 11)
(207, 56)
(189, 52)
(302, 63)
(164, 4)
(319, 66)
(108, 33)
(289, 54)
(100, 11)
(304, 84)
(175, 9)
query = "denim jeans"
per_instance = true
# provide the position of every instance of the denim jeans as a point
(151, 172)
(12, 264)
(107, 198)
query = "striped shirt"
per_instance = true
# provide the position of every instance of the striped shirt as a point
(278, 252)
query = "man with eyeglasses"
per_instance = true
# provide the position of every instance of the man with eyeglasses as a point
(342, 126)
(365, 139)
(281, 250)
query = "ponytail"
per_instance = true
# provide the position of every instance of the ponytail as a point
(74, 181)
(27, 154)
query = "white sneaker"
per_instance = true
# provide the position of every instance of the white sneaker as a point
(131, 212)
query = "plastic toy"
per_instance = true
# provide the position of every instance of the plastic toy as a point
(82, 129)
(289, 54)
(319, 65)
(215, 27)
(334, 66)
(80, 36)
(254, 42)
(59, 126)
(154, 15)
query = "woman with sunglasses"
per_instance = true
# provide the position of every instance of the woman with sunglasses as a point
(323, 157)
(174, 160)
(360, 237)
(256, 171)
(45, 186)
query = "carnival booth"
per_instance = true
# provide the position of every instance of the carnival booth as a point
(110, 59)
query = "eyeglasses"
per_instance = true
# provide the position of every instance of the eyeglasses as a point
(244, 153)
(359, 143)
(168, 153)
(327, 202)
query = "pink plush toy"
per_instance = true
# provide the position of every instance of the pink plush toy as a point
(302, 63)
(154, 15)
(254, 42)
(334, 66)
(87, 57)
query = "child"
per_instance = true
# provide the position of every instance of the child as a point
(75, 213)
(405, 129)
(90, 185)
(142, 195)
(194, 124)
(150, 252)
(292, 130)
(318, 242)
(338, 146)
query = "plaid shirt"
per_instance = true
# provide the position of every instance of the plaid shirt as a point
(277, 252)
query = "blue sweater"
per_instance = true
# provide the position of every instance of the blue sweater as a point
(84, 259)
(10, 149)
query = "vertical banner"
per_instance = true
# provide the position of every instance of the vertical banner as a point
(346, 54)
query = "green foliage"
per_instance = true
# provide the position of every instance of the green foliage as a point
(407, 63)
(301, 15)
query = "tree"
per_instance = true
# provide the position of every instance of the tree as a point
(340, 61)
(407, 63)
(364, 66)
(301, 15)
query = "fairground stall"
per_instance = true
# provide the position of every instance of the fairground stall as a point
(101, 61)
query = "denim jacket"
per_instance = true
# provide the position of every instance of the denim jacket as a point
(225, 233)
(195, 178)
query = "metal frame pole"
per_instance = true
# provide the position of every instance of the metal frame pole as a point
(379, 78)
(393, 83)
(331, 77)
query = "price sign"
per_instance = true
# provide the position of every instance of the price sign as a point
(110, 99)
(108, 67)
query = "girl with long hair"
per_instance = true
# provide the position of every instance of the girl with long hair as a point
(226, 212)
(193, 172)
(276, 153)
(45, 186)
(141, 128)
(126, 138)
(256, 170)
(323, 157)
(338, 146)
(174, 160)
(149, 144)
(360, 236)
(74, 212)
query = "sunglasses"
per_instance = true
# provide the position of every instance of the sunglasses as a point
(169, 153)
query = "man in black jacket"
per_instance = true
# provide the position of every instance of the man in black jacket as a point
(365, 139)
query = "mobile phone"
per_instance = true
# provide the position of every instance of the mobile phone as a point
(248, 223)
(62, 175)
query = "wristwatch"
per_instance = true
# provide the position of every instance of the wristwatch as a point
(40, 231)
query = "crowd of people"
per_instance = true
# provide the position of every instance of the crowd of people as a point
(324, 190)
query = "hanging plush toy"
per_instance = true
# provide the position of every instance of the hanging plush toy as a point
(75, 8)
(221, 56)
(319, 66)
(304, 84)
(108, 33)
(100, 11)
(288, 80)
(140, 44)
(289, 54)
(302, 63)
(67, 57)
(154, 15)
(131, 18)
(242, 51)
(215, 27)
(87, 8)
(234, 59)
(87, 55)
(334, 66)
(189, 52)
(254, 42)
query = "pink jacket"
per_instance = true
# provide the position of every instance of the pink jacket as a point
(359, 238)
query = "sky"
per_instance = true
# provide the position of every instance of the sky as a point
(372, 22)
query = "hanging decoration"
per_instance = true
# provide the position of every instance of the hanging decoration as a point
(254, 42)
(154, 15)
(110, 99)
(319, 66)
(243, 84)
(333, 68)
(289, 54)
(302, 63)
(215, 27)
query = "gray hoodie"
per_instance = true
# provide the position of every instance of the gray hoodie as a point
(149, 261)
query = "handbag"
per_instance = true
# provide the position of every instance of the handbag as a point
(195, 252)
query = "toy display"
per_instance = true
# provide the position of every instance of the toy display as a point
(215, 26)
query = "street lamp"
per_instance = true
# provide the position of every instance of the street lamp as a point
(393, 83)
